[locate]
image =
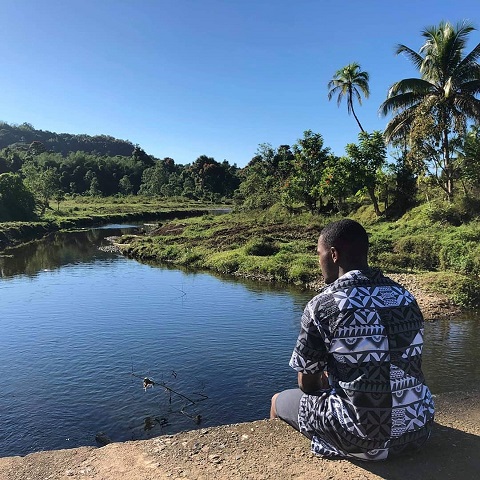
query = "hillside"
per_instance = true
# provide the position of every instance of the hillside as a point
(21, 136)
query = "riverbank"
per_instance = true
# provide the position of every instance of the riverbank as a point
(279, 249)
(261, 450)
(14, 233)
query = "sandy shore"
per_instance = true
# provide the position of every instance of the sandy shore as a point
(261, 450)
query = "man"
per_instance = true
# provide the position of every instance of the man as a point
(358, 356)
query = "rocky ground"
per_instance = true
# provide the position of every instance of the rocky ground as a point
(433, 305)
(261, 450)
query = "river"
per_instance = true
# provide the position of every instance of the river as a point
(80, 328)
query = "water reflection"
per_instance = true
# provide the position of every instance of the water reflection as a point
(452, 353)
(57, 250)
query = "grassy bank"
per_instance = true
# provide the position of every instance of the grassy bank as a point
(277, 246)
(90, 211)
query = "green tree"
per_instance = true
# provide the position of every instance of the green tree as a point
(213, 179)
(337, 181)
(59, 197)
(44, 183)
(154, 178)
(441, 101)
(469, 161)
(16, 201)
(94, 189)
(304, 184)
(139, 155)
(350, 82)
(264, 177)
(367, 158)
(125, 185)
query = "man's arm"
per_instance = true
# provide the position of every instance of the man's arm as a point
(312, 382)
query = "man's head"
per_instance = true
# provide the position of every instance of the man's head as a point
(342, 246)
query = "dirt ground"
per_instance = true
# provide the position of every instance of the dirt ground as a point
(261, 450)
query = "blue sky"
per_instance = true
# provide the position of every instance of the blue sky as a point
(184, 78)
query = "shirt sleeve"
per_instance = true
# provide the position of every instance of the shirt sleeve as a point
(310, 352)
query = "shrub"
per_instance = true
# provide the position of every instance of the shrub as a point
(224, 262)
(304, 269)
(460, 256)
(393, 262)
(192, 257)
(461, 289)
(378, 246)
(461, 211)
(420, 250)
(261, 247)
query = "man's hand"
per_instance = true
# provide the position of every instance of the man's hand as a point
(310, 383)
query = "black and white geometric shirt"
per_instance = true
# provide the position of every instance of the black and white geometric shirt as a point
(366, 331)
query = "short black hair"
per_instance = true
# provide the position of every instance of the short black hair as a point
(346, 235)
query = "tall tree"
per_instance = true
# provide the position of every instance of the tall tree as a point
(304, 183)
(444, 97)
(469, 162)
(16, 201)
(350, 82)
(367, 158)
(44, 183)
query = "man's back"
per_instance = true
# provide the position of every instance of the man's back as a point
(368, 333)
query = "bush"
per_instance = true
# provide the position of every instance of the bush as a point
(393, 262)
(304, 269)
(460, 256)
(261, 247)
(421, 250)
(378, 246)
(16, 201)
(461, 289)
(224, 262)
(461, 211)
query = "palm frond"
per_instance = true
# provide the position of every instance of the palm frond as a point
(472, 87)
(399, 103)
(417, 85)
(399, 126)
(415, 57)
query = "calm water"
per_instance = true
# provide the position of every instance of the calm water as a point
(75, 322)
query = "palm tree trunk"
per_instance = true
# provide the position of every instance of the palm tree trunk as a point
(359, 124)
(447, 166)
(350, 103)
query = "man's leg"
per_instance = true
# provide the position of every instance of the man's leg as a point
(285, 406)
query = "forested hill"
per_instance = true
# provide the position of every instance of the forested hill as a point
(21, 136)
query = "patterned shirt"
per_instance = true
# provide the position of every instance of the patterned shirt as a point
(366, 331)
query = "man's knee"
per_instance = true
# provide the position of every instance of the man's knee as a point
(273, 410)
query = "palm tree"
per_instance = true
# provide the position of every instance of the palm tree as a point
(351, 82)
(444, 98)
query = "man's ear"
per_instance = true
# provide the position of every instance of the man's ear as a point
(334, 254)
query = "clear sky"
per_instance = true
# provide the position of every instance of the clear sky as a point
(184, 78)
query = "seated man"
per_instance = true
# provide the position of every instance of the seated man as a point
(359, 359)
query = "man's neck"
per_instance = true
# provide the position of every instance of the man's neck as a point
(342, 270)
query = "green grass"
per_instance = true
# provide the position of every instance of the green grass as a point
(277, 246)
(80, 211)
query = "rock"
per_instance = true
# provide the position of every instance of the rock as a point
(103, 439)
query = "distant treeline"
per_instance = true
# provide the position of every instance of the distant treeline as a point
(21, 136)
(32, 173)
(305, 176)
